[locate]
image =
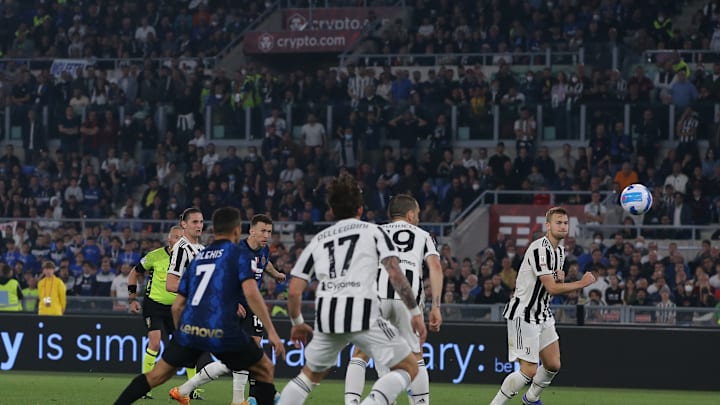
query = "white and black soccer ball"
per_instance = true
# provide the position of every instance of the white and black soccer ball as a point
(636, 199)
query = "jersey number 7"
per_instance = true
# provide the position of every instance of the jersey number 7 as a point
(206, 271)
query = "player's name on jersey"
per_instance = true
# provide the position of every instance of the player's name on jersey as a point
(202, 332)
(410, 262)
(342, 229)
(332, 285)
(210, 254)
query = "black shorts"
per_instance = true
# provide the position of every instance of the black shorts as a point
(158, 316)
(253, 325)
(180, 356)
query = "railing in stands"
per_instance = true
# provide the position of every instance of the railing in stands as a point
(545, 58)
(162, 226)
(649, 316)
(694, 56)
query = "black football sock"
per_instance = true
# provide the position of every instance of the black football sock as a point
(137, 388)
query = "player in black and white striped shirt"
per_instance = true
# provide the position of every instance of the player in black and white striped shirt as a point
(182, 253)
(344, 257)
(414, 246)
(531, 326)
(186, 248)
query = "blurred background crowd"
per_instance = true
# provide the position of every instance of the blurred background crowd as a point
(100, 159)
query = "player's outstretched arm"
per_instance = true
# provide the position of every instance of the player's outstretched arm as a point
(300, 330)
(555, 288)
(257, 304)
(404, 289)
(436, 283)
(274, 273)
(178, 306)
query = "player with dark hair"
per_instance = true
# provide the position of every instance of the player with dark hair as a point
(207, 321)
(255, 248)
(181, 254)
(531, 325)
(157, 300)
(414, 246)
(347, 308)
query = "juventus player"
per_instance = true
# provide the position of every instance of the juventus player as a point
(182, 253)
(414, 245)
(531, 326)
(347, 308)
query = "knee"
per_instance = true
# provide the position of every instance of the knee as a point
(409, 365)
(528, 369)
(553, 366)
(154, 344)
(360, 355)
(264, 370)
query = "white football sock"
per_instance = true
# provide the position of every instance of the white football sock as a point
(510, 387)
(355, 381)
(208, 373)
(542, 379)
(296, 391)
(387, 388)
(419, 389)
(240, 379)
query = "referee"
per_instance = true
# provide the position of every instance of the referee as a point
(157, 301)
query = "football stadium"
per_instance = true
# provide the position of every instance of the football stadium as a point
(464, 201)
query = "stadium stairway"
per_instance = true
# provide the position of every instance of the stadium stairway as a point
(234, 57)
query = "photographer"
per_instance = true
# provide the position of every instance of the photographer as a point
(51, 291)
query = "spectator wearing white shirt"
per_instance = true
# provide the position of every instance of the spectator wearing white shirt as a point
(677, 179)
(276, 120)
(74, 190)
(211, 157)
(291, 173)
(119, 290)
(199, 139)
(141, 33)
(130, 209)
(468, 161)
(313, 132)
(595, 211)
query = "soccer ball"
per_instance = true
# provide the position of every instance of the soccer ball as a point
(636, 199)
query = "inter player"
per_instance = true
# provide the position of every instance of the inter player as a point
(217, 279)
(182, 253)
(531, 325)
(347, 309)
(256, 249)
(157, 301)
(414, 245)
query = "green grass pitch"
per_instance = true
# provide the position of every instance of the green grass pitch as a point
(24, 388)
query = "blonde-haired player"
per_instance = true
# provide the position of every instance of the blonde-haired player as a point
(531, 326)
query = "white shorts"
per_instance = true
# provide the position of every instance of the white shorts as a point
(382, 342)
(527, 340)
(397, 313)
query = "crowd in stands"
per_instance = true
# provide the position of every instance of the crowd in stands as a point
(122, 29)
(627, 271)
(129, 175)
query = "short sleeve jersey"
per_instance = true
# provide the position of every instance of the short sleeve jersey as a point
(213, 287)
(345, 258)
(156, 263)
(531, 300)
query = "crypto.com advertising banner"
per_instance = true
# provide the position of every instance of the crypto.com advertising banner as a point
(461, 353)
(257, 42)
(335, 19)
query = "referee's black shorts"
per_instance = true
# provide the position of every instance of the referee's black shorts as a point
(157, 316)
(180, 356)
